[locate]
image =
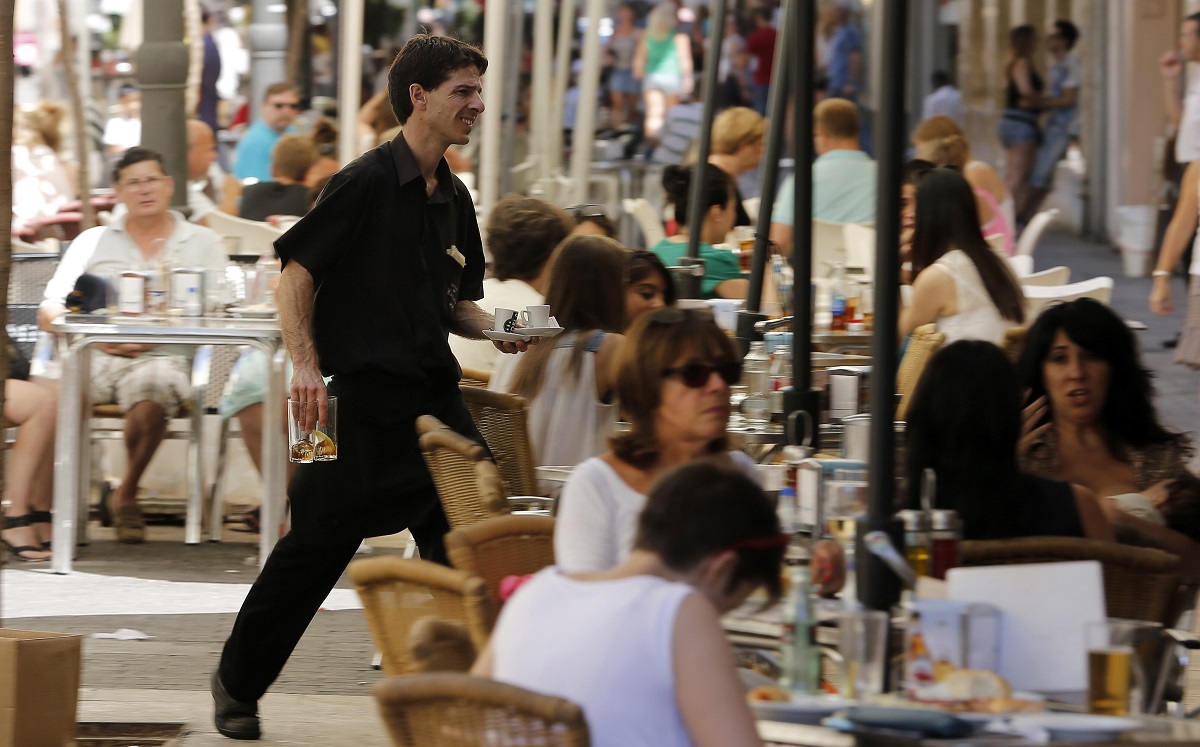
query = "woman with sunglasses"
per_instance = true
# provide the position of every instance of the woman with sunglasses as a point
(672, 378)
(959, 282)
(722, 271)
(568, 379)
(639, 646)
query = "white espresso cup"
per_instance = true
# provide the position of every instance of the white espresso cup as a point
(536, 316)
(507, 320)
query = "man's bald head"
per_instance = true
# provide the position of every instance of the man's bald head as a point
(202, 148)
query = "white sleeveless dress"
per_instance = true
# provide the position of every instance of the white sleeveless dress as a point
(977, 317)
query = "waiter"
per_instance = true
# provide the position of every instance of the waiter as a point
(386, 264)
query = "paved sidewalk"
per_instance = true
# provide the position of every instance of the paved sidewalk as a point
(324, 695)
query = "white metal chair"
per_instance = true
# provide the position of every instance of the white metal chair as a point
(828, 246)
(1033, 232)
(650, 224)
(860, 247)
(750, 205)
(1038, 297)
(254, 237)
(1059, 275)
(1020, 264)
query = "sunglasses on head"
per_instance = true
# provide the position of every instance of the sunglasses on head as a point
(579, 212)
(696, 375)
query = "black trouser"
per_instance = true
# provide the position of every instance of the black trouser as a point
(379, 485)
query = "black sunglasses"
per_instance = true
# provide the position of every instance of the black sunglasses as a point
(579, 212)
(696, 375)
(277, 105)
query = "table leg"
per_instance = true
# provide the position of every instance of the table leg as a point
(69, 457)
(274, 452)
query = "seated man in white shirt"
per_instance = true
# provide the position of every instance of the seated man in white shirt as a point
(124, 131)
(522, 233)
(150, 383)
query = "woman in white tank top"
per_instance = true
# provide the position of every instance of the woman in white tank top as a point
(567, 379)
(959, 283)
(640, 647)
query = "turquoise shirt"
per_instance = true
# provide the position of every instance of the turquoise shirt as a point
(719, 264)
(253, 154)
(843, 190)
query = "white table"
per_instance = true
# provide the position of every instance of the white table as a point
(72, 453)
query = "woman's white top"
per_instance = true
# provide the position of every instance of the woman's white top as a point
(977, 317)
(598, 515)
(567, 421)
(604, 645)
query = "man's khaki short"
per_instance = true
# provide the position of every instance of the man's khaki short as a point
(163, 379)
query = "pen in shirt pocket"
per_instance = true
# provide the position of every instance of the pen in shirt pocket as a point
(457, 255)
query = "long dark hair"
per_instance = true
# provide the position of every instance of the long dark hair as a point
(586, 292)
(947, 218)
(1128, 416)
(964, 422)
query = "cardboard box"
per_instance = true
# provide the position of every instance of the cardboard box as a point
(39, 688)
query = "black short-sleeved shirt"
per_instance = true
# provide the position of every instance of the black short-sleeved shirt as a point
(388, 266)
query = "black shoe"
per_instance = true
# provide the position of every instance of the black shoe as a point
(1173, 342)
(233, 718)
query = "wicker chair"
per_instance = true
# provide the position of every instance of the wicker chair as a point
(437, 645)
(502, 546)
(467, 481)
(1140, 583)
(924, 342)
(458, 710)
(476, 377)
(1014, 343)
(502, 419)
(396, 593)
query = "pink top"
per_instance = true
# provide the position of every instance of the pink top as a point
(998, 223)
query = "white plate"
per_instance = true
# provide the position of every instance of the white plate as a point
(804, 709)
(492, 334)
(1079, 727)
(542, 331)
(251, 312)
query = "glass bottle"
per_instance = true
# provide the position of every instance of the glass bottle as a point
(837, 300)
(801, 662)
(756, 367)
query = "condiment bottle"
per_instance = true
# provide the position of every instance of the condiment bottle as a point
(916, 540)
(945, 535)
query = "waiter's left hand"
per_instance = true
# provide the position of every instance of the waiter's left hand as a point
(520, 346)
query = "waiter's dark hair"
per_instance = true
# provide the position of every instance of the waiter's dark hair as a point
(428, 61)
(137, 155)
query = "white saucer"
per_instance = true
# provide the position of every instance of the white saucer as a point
(803, 709)
(251, 312)
(542, 331)
(1080, 727)
(492, 334)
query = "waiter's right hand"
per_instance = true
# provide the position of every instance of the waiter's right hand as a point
(308, 389)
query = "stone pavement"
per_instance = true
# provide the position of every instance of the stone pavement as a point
(324, 695)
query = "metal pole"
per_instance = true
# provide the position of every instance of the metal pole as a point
(803, 36)
(162, 66)
(495, 17)
(268, 50)
(543, 54)
(585, 119)
(878, 586)
(562, 75)
(696, 194)
(350, 38)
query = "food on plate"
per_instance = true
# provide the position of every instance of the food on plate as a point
(769, 693)
(973, 691)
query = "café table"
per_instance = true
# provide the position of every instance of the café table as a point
(72, 460)
(842, 342)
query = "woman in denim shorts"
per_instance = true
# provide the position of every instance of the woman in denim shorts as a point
(1019, 131)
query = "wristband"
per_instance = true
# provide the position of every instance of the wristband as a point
(1161, 274)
